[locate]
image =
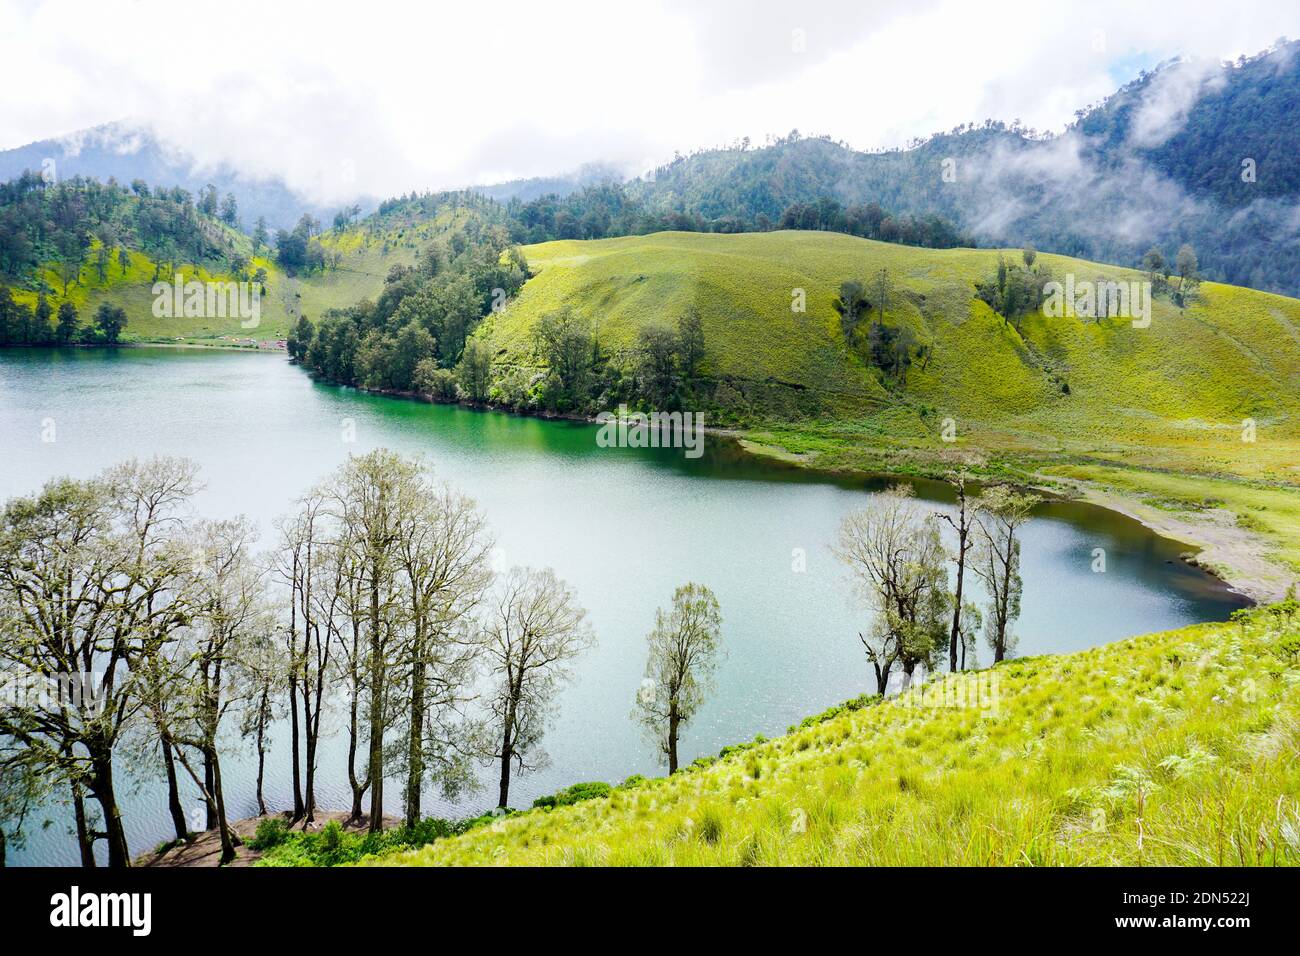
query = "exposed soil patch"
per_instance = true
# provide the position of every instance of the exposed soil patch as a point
(205, 848)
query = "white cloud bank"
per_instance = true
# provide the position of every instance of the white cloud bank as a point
(383, 97)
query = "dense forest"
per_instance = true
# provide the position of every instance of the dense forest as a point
(413, 335)
(50, 233)
(611, 209)
(60, 223)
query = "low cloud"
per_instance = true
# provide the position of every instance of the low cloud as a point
(1169, 99)
(388, 98)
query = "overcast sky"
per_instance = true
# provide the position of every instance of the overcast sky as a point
(386, 97)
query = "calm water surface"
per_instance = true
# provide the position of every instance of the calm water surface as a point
(624, 526)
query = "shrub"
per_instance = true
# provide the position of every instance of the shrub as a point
(574, 794)
(331, 842)
(333, 845)
(271, 832)
(857, 703)
(435, 382)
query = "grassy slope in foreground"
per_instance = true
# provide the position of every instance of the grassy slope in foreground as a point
(1172, 748)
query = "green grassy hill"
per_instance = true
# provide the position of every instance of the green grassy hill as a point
(1169, 749)
(363, 259)
(1151, 420)
(358, 258)
(1189, 379)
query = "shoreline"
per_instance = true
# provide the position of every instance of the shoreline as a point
(204, 847)
(1232, 554)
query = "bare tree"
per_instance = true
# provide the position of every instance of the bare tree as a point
(684, 648)
(1001, 512)
(444, 560)
(963, 526)
(882, 287)
(230, 618)
(90, 575)
(370, 493)
(349, 664)
(315, 596)
(536, 628)
(896, 562)
(267, 676)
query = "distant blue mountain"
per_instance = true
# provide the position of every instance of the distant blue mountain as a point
(126, 152)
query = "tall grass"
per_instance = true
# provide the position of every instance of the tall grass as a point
(1178, 748)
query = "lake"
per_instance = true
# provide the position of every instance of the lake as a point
(623, 526)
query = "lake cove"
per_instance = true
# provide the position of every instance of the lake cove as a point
(624, 526)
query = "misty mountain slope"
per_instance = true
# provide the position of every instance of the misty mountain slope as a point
(524, 190)
(1159, 163)
(126, 152)
(1198, 122)
(1191, 377)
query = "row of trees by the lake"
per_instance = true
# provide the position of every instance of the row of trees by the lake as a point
(135, 633)
(42, 324)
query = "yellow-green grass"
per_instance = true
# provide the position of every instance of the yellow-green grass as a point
(1211, 392)
(363, 262)
(1270, 511)
(1178, 390)
(1178, 748)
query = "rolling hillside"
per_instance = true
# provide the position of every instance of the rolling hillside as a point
(1169, 749)
(359, 274)
(361, 257)
(1186, 382)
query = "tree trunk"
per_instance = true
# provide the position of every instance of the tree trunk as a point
(358, 790)
(673, 721)
(209, 784)
(507, 752)
(261, 750)
(415, 741)
(85, 842)
(309, 798)
(882, 677)
(376, 710)
(102, 786)
(295, 744)
(1000, 645)
(293, 692)
(956, 607)
(173, 795)
(358, 787)
(309, 725)
(223, 825)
